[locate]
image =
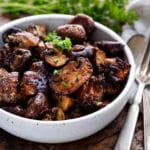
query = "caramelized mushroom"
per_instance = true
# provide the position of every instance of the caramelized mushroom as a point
(74, 31)
(57, 113)
(33, 82)
(8, 84)
(20, 59)
(63, 101)
(111, 48)
(72, 76)
(86, 21)
(23, 40)
(117, 70)
(91, 93)
(37, 105)
(18, 110)
(82, 51)
(37, 30)
(10, 32)
(53, 56)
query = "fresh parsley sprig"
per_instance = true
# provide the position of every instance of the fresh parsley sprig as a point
(111, 13)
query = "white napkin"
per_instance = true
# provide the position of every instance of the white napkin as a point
(142, 7)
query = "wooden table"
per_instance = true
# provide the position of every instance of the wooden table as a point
(103, 140)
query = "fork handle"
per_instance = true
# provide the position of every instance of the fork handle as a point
(126, 135)
(146, 113)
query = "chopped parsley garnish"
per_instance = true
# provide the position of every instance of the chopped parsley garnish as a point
(56, 72)
(63, 44)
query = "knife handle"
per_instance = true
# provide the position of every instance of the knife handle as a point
(125, 138)
(146, 113)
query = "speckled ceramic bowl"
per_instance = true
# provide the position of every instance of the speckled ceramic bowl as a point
(73, 129)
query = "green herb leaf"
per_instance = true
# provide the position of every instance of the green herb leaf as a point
(56, 72)
(63, 44)
(65, 84)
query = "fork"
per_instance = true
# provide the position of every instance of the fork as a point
(142, 76)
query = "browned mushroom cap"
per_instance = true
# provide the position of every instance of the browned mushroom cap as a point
(8, 86)
(54, 56)
(11, 31)
(74, 31)
(23, 40)
(111, 48)
(91, 93)
(33, 82)
(86, 21)
(82, 51)
(37, 30)
(37, 105)
(117, 69)
(71, 76)
(20, 59)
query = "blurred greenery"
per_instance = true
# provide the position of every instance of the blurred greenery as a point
(111, 13)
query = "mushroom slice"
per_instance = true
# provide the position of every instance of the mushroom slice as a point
(37, 105)
(117, 69)
(74, 31)
(20, 59)
(72, 76)
(86, 21)
(63, 101)
(37, 30)
(8, 84)
(33, 82)
(91, 93)
(54, 56)
(57, 113)
(98, 59)
(23, 40)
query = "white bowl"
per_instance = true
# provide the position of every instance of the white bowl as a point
(72, 129)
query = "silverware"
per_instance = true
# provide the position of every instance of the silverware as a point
(142, 77)
(146, 113)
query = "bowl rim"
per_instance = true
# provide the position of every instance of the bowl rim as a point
(123, 93)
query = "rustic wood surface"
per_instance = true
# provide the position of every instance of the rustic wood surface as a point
(103, 140)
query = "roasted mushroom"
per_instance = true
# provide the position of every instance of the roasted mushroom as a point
(117, 70)
(33, 82)
(71, 76)
(86, 21)
(17, 109)
(53, 56)
(74, 31)
(63, 101)
(8, 84)
(57, 113)
(111, 48)
(37, 105)
(91, 93)
(22, 40)
(82, 51)
(40, 67)
(37, 30)
(10, 32)
(20, 59)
